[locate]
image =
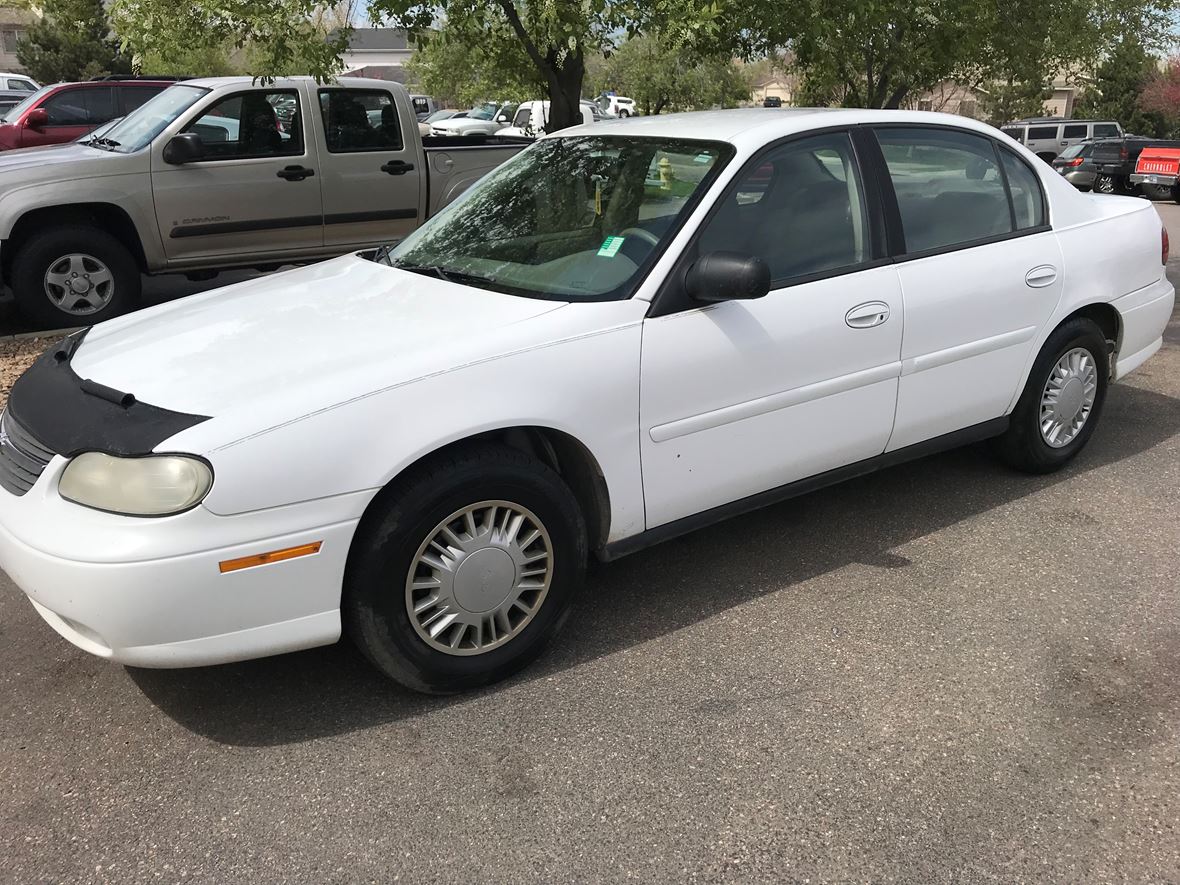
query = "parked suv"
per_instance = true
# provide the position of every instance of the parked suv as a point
(14, 88)
(1048, 137)
(63, 112)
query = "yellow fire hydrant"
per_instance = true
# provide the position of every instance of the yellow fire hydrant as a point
(666, 174)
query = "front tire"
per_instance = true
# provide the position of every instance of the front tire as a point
(1062, 400)
(74, 276)
(464, 569)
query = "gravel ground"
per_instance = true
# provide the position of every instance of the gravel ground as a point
(16, 355)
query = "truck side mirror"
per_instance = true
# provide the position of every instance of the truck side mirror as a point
(185, 147)
(503, 118)
(37, 118)
(727, 276)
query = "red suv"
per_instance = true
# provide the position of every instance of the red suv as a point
(65, 111)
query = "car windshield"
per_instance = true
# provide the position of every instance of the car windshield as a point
(137, 129)
(15, 113)
(439, 115)
(579, 218)
(482, 112)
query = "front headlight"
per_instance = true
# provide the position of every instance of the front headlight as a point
(154, 485)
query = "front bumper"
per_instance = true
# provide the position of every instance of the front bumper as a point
(149, 592)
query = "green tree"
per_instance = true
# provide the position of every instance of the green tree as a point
(1007, 100)
(662, 76)
(71, 41)
(1117, 89)
(460, 73)
(197, 61)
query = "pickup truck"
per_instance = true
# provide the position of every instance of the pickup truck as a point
(1114, 161)
(220, 173)
(632, 330)
(1157, 172)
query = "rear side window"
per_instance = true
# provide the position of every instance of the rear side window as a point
(801, 210)
(1015, 132)
(358, 120)
(1079, 130)
(1041, 133)
(1106, 130)
(949, 187)
(132, 97)
(21, 86)
(88, 106)
(1028, 203)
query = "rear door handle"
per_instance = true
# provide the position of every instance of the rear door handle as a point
(397, 167)
(295, 173)
(1040, 277)
(867, 315)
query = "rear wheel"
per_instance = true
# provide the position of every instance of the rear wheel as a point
(464, 570)
(74, 276)
(1105, 184)
(1062, 400)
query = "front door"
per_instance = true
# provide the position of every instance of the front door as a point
(744, 396)
(981, 276)
(256, 191)
(372, 182)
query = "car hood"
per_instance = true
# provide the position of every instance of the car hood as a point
(283, 346)
(461, 123)
(62, 161)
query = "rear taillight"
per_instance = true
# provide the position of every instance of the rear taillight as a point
(1076, 161)
(1164, 246)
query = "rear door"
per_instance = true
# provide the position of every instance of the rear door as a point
(981, 273)
(255, 192)
(72, 113)
(372, 180)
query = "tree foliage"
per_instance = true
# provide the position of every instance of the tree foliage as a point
(1161, 98)
(459, 73)
(663, 77)
(71, 41)
(1117, 89)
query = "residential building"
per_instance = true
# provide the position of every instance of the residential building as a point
(380, 53)
(13, 24)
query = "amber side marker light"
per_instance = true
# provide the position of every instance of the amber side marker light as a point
(233, 565)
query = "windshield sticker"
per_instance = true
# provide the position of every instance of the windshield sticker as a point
(611, 246)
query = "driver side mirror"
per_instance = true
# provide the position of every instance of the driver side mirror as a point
(185, 147)
(503, 118)
(727, 276)
(38, 119)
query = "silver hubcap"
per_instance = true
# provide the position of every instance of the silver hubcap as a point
(1068, 397)
(479, 578)
(79, 284)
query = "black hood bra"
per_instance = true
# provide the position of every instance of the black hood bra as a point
(69, 415)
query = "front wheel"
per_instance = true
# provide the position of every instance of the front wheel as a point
(464, 570)
(1105, 184)
(74, 276)
(1062, 400)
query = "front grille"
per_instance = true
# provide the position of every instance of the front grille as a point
(22, 458)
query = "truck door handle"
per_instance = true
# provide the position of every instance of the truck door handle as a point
(867, 315)
(1040, 277)
(397, 167)
(295, 173)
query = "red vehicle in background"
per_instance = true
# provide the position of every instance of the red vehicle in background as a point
(1158, 172)
(63, 112)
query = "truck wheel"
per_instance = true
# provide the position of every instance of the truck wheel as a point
(464, 569)
(1062, 400)
(74, 276)
(1156, 191)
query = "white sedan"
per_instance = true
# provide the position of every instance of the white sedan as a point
(629, 331)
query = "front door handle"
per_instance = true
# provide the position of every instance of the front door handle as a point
(1040, 277)
(867, 315)
(397, 167)
(295, 173)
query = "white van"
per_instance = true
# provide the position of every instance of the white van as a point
(1048, 137)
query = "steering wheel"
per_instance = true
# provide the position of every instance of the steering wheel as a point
(645, 235)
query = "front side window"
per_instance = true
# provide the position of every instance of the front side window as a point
(523, 118)
(81, 107)
(578, 218)
(1042, 133)
(357, 120)
(948, 185)
(1106, 130)
(246, 125)
(14, 115)
(1078, 130)
(800, 209)
(21, 86)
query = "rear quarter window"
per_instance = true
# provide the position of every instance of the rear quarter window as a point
(1041, 133)
(1106, 130)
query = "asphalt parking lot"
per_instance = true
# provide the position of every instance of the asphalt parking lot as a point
(942, 672)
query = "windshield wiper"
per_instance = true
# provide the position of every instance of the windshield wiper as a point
(450, 274)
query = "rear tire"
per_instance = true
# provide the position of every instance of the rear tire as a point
(50, 263)
(1105, 184)
(400, 587)
(1041, 435)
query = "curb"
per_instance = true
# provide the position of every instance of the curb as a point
(48, 333)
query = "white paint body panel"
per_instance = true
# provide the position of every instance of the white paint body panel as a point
(326, 382)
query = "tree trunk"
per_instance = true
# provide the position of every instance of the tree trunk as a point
(565, 78)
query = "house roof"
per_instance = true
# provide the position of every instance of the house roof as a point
(377, 39)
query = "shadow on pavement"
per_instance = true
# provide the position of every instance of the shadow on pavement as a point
(332, 691)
